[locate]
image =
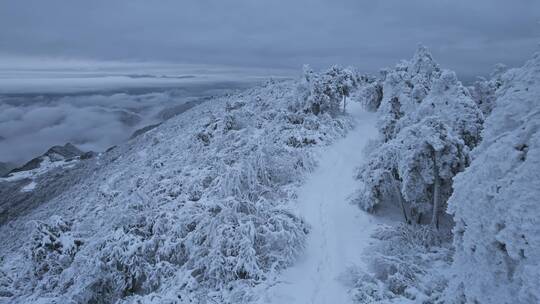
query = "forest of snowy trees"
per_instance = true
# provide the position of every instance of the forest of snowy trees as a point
(200, 209)
(461, 162)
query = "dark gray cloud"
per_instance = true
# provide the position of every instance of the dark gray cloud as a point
(468, 36)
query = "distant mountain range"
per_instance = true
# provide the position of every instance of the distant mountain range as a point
(56, 153)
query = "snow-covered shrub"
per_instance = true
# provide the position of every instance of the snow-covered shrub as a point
(407, 263)
(495, 201)
(364, 287)
(370, 95)
(52, 248)
(378, 181)
(6, 285)
(483, 90)
(217, 243)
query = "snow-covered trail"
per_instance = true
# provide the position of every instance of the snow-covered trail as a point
(340, 231)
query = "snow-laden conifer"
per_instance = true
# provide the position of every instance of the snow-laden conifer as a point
(483, 90)
(495, 201)
(415, 169)
(426, 117)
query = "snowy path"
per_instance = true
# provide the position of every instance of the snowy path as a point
(340, 231)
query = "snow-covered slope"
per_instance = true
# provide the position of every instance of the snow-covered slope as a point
(40, 179)
(56, 157)
(339, 231)
(196, 210)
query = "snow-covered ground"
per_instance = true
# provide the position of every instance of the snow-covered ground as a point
(45, 166)
(339, 231)
(29, 187)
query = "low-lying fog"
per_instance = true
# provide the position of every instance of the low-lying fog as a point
(97, 106)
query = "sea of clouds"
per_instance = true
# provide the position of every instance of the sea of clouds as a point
(96, 107)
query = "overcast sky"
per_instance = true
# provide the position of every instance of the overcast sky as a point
(467, 36)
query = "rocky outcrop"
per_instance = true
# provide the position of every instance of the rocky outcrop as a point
(56, 153)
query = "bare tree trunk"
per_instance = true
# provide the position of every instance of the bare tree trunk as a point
(436, 192)
(400, 198)
(344, 102)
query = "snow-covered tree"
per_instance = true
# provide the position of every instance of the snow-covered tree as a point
(419, 88)
(495, 201)
(369, 93)
(403, 88)
(415, 169)
(426, 117)
(451, 102)
(483, 90)
(326, 92)
(429, 157)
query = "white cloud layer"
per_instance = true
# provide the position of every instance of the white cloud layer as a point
(32, 123)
